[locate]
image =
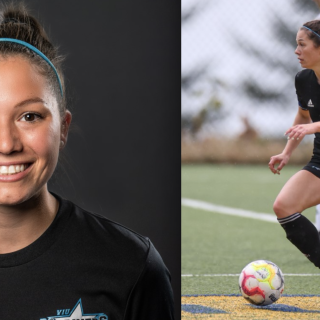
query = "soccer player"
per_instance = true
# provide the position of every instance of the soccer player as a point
(302, 189)
(56, 259)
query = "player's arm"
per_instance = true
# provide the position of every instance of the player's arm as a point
(302, 125)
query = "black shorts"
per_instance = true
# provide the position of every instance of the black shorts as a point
(313, 168)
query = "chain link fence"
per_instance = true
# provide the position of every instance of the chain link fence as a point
(238, 70)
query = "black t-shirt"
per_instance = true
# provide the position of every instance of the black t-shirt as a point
(308, 94)
(85, 266)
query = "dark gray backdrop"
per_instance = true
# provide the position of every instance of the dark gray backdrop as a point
(123, 78)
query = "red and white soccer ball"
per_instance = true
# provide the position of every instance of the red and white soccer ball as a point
(261, 282)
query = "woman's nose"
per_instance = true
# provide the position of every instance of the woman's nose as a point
(9, 139)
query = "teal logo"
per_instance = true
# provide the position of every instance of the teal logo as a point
(76, 314)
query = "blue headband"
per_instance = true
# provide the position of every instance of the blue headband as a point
(311, 31)
(34, 49)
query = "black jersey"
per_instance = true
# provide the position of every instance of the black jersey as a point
(308, 93)
(85, 266)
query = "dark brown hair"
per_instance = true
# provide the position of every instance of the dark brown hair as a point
(17, 23)
(314, 25)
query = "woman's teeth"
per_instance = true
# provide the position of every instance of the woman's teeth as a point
(5, 170)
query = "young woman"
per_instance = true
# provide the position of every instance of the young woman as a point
(58, 261)
(302, 190)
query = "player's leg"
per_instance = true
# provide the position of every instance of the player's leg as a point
(297, 195)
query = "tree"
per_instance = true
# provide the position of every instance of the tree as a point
(195, 84)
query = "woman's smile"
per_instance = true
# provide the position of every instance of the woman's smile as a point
(12, 169)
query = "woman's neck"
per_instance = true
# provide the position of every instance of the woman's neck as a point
(23, 224)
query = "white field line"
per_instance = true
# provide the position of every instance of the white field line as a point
(202, 205)
(237, 275)
(206, 206)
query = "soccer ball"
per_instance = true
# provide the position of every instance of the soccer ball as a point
(261, 282)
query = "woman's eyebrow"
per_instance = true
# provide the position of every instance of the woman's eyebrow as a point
(30, 101)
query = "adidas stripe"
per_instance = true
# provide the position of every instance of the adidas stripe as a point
(290, 218)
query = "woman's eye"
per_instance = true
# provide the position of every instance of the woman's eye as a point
(30, 117)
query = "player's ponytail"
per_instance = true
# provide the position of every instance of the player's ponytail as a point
(32, 43)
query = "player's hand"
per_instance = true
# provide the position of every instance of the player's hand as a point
(298, 131)
(280, 159)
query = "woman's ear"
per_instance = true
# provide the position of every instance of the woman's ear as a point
(65, 125)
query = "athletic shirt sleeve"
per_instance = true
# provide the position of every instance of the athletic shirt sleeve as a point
(152, 296)
(299, 88)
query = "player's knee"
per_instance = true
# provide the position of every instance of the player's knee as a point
(279, 208)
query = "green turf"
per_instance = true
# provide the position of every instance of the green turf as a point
(213, 243)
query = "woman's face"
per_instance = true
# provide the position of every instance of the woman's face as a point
(30, 131)
(308, 54)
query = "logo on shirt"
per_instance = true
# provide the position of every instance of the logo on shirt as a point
(310, 104)
(76, 314)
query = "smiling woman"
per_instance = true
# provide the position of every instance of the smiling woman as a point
(48, 244)
(31, 133)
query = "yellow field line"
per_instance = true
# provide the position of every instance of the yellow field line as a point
(237, 275)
